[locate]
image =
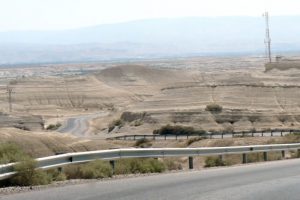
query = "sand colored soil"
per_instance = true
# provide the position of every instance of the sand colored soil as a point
(155, 96)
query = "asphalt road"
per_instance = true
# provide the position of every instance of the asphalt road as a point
(278, 180)
(79, 125)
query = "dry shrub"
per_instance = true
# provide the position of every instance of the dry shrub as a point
(93, 170)
(27, 175)
(139, 165)
(56, 175)
(143, 143)
(214, 108)
(10, 152)
(178, 130)
(214, 161)
(172, 164)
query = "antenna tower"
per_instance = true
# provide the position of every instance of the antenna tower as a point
(9, 92)
(268, 38)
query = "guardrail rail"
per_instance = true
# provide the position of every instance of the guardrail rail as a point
(214, 135)
(7, 170)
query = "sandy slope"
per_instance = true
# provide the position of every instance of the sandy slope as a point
(251, 97)
(181, 97)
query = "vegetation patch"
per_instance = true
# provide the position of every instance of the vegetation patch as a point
(214, 108)
(130, 116)
(27, 175)
(53, 127)
(93, 170)
(10, 153)
(214, 161)
(283, 118)
(139, 166)
(172, 164)
(143, 143)
(178, 130)
(138, 118)
(138, 123)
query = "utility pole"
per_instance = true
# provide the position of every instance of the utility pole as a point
(268, 38)
(10, 92)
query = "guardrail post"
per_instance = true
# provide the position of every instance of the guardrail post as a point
(221, 157)
(134, 137)
(165, 137)
(222, 135)
(112, 164)
(191, 162)
(245, 159)
(262, 134)
(283, 154)
(271, 133)
(252, 134)
(281, 133)
(60, 169)
(265, 156)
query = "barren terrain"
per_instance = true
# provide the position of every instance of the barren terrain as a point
(147, 95)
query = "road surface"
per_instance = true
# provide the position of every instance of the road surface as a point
(79, 125)
(277, 180)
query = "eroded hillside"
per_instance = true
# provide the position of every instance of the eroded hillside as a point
(153, 96)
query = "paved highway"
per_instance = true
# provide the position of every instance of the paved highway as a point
(79, 125)
(272, 180)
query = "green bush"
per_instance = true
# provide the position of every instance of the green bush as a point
(92, 170)
(141, 165)
(53, 126)
(10, 152)
(27, 175)
(213, 161)
(178, 130)
(96, 169)
(56, 175)
(213, 107)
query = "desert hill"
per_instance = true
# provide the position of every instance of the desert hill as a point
(251, 98)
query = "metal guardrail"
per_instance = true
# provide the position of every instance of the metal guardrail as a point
(7, 170)
(221, 135)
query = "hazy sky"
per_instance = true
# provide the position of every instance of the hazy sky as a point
(66, 14)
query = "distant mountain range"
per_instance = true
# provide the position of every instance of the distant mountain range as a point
(194, 36)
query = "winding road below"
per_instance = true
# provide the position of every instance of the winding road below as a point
(277, 180)
(79, 126)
